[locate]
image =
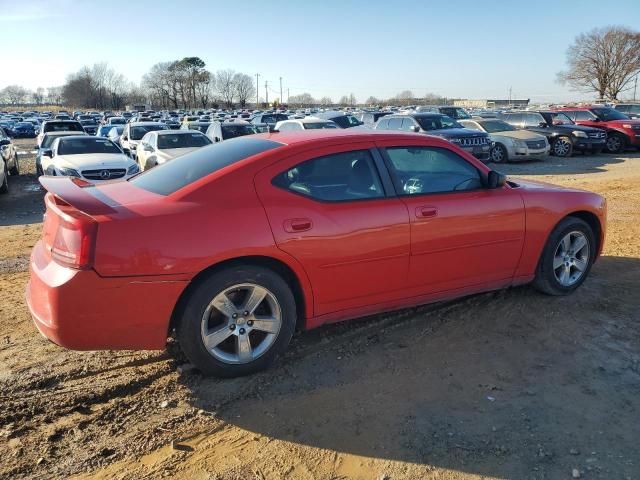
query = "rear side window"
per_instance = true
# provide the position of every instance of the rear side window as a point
(421, 170)
(582, 115)
(383, 124)
(333, 178)
(171, 176)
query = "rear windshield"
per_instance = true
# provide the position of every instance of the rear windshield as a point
(171, 176)
(232, 131)
(182, 140)
(79, 146)
(140, 131)
(63, 127)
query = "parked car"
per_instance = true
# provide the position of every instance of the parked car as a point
(563, 135)
(269, 119)
(133, 133)
(24, 130)
(325, 236)
(115, 133)
(45, 147)
(509, 143)
(219, 131)
(199, 126)
(90, 126)
(622, 132)
(59, 126)
(87, 157)
(457, 113)
(472, 141)
(10, 162)
(159, 147)
(342, 119)
(103, 130)
(307, 123)
(7, 126)
(173, 123)
(631, 110)
(116, 121)
(369, 119)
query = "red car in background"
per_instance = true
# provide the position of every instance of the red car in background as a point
(622, 132)
(237, 244)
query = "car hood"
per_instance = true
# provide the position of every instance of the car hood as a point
(456, 132)
(91, 161)
(519, 134)
(541, 186)
(619, 123)
(171, 153)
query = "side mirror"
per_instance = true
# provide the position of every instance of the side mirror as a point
(414, 128)
(47, 153)
(147, 148)
(542, 124)
(217, 139)
(124, 137)
(496, 180)
(597, 119)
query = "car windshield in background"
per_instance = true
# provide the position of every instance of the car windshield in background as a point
(347, 121)
(233, 131)
(170, 177)
(79, 146)
(64, 127)
(48, 140)
(607, 114)
(558, 118)
(494, 126)
(201, 127)
(87, 122)
(319, 125)
(182, 140)
(437, 123)
(140, 131)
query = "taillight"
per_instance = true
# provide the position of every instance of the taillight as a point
(75, 238)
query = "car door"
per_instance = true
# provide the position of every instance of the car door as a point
(332, 211)
(462, 234)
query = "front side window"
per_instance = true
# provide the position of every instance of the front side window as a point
(583, 116)
(607, 114)
(181, 140)
(333, 178)
(233, 131)
(533, 120)
(421, 170)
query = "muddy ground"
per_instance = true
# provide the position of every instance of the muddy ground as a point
(509, 384)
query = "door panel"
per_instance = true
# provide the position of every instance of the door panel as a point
(354, 252)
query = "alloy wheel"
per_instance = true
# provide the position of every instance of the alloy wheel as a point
(241, 323)
(498, 154)
(571, 258)
(614, 144)
(561, 147)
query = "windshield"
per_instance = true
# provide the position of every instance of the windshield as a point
(346, 121)
(559, 118)
(319, 125)
(493, 126)
(437, 122)
(64, 127)
(78, 146)
(606, 114)
(182, 140)
(140, 131)
(116, 131)
(232, 131)
(201, 127)
(87, 122)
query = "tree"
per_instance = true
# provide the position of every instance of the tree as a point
(344, 100)
(302, 100)
(225, 86)
(372, 101)
(54, 95)
(14, 94)
(405, 97)
(604, 61)
(38, 96)
(244, 88)
(326, 101)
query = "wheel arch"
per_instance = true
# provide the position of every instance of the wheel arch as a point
(304, 306)
(593, 221)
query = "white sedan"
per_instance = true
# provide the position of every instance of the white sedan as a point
(88, 157)
(160, 146)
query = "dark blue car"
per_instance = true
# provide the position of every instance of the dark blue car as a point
(24, 130)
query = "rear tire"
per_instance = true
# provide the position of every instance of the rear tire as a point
(562, 147)
(227, 336)
(567, 258)
(15, 170)
(4, 188)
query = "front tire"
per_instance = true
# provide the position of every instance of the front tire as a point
(567, 257)
(15, 170)
(237, 321)
(562, 147)
(4, 188)
(499, 154)
(615, 143)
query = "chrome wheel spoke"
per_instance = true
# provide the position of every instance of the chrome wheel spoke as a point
(565, 275)
(244, 350)
(266, 324)
(578, 244)
(566, 243)
(215, 338)
(571, 258)
(224, 305)
(557, 262)
(255, 298)
(580, 264)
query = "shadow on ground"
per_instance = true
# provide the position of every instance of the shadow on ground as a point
(511, 384)
(579, 164)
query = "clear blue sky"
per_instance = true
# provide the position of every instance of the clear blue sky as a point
(454, 48)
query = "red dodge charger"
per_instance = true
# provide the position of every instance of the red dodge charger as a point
(237, 244)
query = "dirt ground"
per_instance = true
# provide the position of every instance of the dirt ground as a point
(510, 384)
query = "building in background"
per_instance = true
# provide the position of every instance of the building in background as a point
(491, 103)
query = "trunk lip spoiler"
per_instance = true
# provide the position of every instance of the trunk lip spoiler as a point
(78, 193)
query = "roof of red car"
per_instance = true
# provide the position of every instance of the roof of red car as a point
(349, 134)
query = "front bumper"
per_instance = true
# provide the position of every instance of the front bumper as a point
(526, 152)
(80, 310)
(480, 152)
(590, 143)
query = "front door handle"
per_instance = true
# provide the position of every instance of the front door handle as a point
(426, 211)
(296, 225)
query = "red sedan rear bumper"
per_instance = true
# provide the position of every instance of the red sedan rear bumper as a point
(80, 310)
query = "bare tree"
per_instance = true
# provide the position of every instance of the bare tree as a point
(326, 101)
(405, 97)
(54, 95)
(603, 61)
(344, 100)
(372, 101)
(244, 87)
(38, 96)
(225, 86)
(14, 94)
(302, 100)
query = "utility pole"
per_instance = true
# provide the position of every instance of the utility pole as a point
(257, 90)
(281, 89)
(510, 96)
(266, 92)
(288, 95)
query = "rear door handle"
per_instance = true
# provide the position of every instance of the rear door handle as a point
(296, 225)
(426, 211)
